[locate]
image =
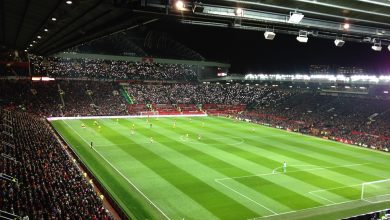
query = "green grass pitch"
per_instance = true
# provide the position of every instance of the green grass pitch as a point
(218, 168)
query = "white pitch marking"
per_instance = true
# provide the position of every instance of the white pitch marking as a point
(300, 210)
(131, 183)
(330, 189)
(246, 197)
(302, 165)
(319, 168)
(321, 197)
(372, 202)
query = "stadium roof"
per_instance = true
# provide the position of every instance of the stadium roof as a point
(23, 22)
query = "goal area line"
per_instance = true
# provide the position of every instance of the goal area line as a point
(313, 193)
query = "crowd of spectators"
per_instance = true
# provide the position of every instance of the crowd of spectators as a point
(363, 121)
(205, 93)
(64, 98)
(39, 179)
(43, 182)
(110, 69)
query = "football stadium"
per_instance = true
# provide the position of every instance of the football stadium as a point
(184, 109)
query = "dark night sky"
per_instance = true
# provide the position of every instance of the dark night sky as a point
(248, 51)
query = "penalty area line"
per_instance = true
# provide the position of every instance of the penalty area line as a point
(257, 203)
(121, 174)
(295, 171)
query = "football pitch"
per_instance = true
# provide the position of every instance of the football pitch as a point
(218, 168)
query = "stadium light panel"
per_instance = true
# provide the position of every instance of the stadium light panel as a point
(54, 19)
(295, 17)
(302, 37)
(339, 42)
(388, 47)
(39, 37)
(46, 30)
(69, 2)
(269, 35)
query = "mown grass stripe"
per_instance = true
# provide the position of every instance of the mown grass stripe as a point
(220, 165)
(313, 181)
(310, 151)
(199, 191)
(268, 147)
(210, 161)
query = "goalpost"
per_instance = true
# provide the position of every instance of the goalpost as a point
(376, 191)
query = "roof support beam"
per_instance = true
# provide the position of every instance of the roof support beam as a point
(26, 6)
(246, 2)
(376, 2)
(79, 28)
(44, 21)
(54, 35)
(2, 26)
(344, 8)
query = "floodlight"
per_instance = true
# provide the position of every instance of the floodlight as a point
(239, 12)
(295, 17)
(377, 46)
(346, 26)
(302, 37)
(69, 2)
(388, 47)
(339, 42)
(180, 5)
(269, 35)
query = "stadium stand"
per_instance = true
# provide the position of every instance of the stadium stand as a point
(380, 215)
(108, 69)
(38, 179)
(88, 87)
(64, 98)
(359, 121)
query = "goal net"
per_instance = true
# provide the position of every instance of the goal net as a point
(376, 191)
